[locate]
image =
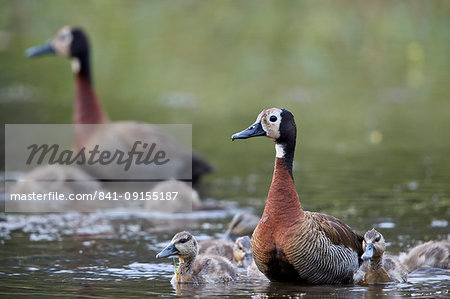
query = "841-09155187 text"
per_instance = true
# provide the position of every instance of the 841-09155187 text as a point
(97, 195)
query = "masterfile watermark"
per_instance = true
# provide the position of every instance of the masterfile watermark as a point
(48, 168)
(146, 156)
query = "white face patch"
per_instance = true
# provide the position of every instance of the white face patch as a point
(75, 65)
(279, 150)
(62, 40)
(270, 122)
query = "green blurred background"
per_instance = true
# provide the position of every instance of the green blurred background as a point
(368, 83)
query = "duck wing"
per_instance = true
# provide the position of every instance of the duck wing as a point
(337, 231)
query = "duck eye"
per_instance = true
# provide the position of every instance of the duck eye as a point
(183, 240)
(377, 239)
(65, 37)
(273, 118)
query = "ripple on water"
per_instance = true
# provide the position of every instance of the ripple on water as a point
(52, 227)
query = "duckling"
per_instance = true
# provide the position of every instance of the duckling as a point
(242, 251)
(254, 273)
(434, 254)
(242, 224)
(290, 244)
(197, 268)
(377, 266)
(54, 178)
(72, 42)
(186, 198)
(218, 247)
(243, 255)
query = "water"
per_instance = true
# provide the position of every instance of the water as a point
(113, 254)
(367, 83)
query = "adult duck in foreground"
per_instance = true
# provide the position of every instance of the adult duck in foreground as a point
(195, 268)
(377, 266)
(290, 244)
(73, 43)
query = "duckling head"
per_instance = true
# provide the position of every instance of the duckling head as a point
(242, 251)
(183, 245)
(69, 41)
(276, 124)
(373, 245)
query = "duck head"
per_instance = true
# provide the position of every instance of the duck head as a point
(373, 245)
(279, 125)
(69, 42)
(183, 245)
(242, 251)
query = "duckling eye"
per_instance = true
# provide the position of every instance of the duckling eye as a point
(377, 239)
(183, 240)
(273, 118)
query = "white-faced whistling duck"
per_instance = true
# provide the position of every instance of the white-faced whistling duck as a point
(73, 43)
(290, 244)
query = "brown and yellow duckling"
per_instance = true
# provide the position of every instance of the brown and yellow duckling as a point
(243, 256)
(195, 268)
(242, 251)
(290, 244)
(377, 266)
(432, 254)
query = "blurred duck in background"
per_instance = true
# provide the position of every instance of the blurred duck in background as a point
(73, 43)
(182, 198)
(194, 267)
(432, 254)
(242, 224)
(377, 266)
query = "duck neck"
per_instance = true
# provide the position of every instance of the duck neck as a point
(185, 269)
(88, 109)
(375, 263)
(283, 201)
(285, 152)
